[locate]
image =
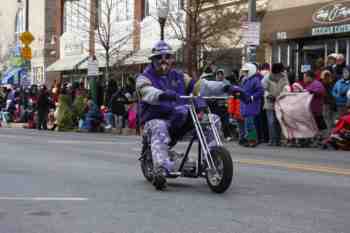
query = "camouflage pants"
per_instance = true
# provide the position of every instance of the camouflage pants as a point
(157, 133)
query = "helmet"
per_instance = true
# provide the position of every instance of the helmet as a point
(161, 48)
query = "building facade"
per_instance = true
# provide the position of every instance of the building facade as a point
(42, 25)
(301, 33)
(74, 40)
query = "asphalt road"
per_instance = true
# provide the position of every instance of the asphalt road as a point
(91, 183)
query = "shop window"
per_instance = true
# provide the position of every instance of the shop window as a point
(275, 57)
(181, 4)
(146, 8)
(342, 47)
(75, 15)
(293, 53)
(38, 75)
(284, 55)
(124, 10)
(330, 45)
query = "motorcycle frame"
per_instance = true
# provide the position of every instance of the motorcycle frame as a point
(203, 147)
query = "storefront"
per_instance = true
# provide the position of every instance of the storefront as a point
(301, 36)
(72, 56)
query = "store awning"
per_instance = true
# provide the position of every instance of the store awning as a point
(68, 63)
(304, 21)
(101, 58)
(139, 57)
(9, 76)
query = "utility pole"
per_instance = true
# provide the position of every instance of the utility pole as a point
(251, 50)
(92, 69)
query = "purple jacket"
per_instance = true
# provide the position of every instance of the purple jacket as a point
(317, 89)
(169, 110)
(252, 88)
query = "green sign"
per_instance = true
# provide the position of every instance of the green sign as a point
(331, 30)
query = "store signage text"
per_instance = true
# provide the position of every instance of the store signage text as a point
(333, 13)
(281, 35)
(331, 30)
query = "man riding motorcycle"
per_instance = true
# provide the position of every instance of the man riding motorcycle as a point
(164, 114)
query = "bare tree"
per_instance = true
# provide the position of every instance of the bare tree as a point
(109, 38)
(209, 24)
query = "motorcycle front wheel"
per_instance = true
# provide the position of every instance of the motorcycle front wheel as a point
(220, 180)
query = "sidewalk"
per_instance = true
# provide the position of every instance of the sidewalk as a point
(125, 132)
(14, 125)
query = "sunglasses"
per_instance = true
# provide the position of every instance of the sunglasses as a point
(164, 56)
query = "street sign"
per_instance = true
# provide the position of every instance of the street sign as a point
(26, 53)
(92, 67)
(251, 36)
(26, 38)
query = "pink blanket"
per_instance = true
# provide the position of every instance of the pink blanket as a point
(293, 113)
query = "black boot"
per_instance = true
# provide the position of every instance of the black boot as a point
(159, 180)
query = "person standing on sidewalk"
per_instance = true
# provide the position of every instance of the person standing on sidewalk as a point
(329, 108)
(274, 85)
(251, 104)
(220, 108)
(117, 105)
(340, 89)
(43, 107)
(316, 88)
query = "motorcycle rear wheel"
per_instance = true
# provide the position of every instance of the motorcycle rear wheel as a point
(147, 165)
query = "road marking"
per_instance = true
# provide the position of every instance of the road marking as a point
(298, 166)
(43, 199)
(90, 142)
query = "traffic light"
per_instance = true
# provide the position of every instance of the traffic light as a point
(26, 53)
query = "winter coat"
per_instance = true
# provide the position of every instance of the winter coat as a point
(253, 94)
(118, 103)
(233, 108)
(274, 86)
(43, 103)
(339, 92)
(168, 110)
(316, 88)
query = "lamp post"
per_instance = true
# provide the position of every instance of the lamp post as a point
(163, 10)
(26, 41)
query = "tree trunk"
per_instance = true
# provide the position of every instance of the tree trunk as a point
(106, 79)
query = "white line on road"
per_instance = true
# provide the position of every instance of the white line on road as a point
(43, 199)
(90, 142)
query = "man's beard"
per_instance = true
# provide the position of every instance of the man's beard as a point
(163, 68)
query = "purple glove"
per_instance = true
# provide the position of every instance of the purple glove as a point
(232, 89)
(168, 95)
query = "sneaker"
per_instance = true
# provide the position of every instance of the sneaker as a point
(159, 180)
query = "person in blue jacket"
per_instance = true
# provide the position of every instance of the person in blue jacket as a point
(340, 89)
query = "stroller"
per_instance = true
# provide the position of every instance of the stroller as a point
(340, 136)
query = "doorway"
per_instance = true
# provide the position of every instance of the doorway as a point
(311, 54)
